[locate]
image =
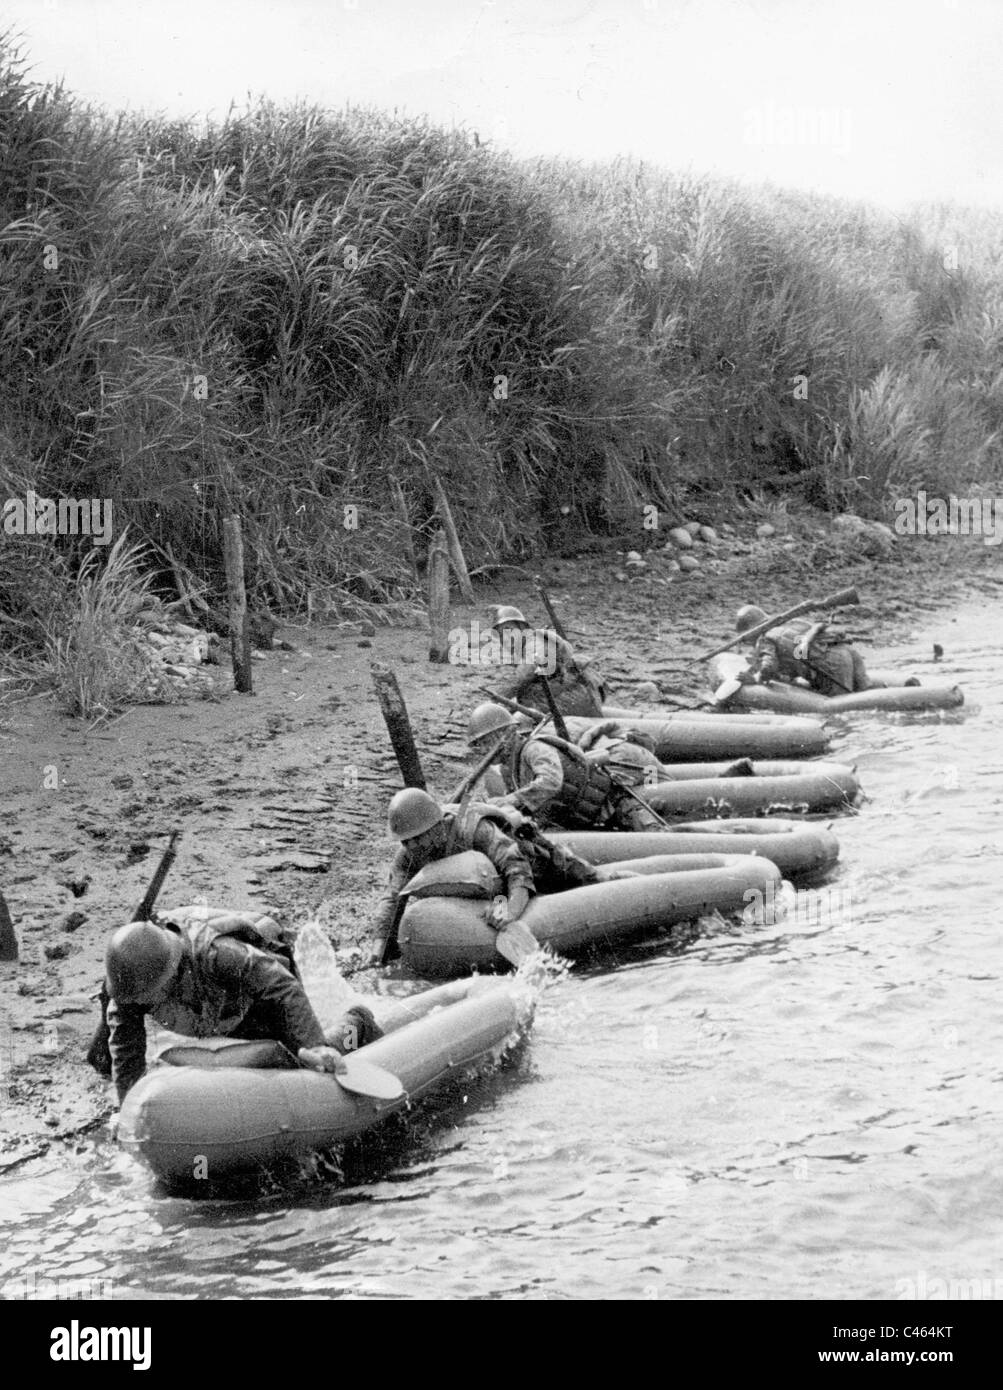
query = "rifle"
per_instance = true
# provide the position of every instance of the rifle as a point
(555, 713)
(99, 1053)
(513, 705)
(555, 621)
(837, 600)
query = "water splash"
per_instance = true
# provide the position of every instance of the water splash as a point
(542, 970)
(327, 989)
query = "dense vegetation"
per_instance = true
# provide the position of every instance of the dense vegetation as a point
(297, 311)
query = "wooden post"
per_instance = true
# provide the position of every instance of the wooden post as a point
(398, 724)
(240, 638)
(453, 542)
(438, 600)
(8, 940)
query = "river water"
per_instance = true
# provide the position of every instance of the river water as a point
(811, 1109)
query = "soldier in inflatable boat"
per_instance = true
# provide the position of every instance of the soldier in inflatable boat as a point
(810, 653)
(207, 972)
(574, 687)
(526, 860)
(552, 780)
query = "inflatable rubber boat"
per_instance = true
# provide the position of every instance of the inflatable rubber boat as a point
(791, 787)
(799, 849)
(715, 737)
(781, 698)
(220, 1106)
(444, 931)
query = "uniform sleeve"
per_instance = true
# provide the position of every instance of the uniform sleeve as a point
(244, 970)
(400, 872)
(505, 855)
(127, 1044)
(766, 657)
(545, 780)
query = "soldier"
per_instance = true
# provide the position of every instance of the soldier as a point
(804, 651)
(215, 973)
(429, 832)
(552, 780)
(575, 689)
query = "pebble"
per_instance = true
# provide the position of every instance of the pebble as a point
(681, 537)
(708, 534)
(619, 576)
(693, 527)
(765, 530)
(647, 690)
(634, 557)
(688, 563)
(72, 920)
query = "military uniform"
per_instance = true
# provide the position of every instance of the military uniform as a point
(553, 781)
(224, 986)
(831, 667)
(471, 830)
(575, 689)
(523, 858)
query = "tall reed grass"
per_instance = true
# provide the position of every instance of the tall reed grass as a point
(294, 312)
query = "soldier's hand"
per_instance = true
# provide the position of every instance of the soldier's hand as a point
(322, 1059)
(498, 913)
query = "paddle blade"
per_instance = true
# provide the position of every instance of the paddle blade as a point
(515, 942)
(364, 1078)
(725, 691)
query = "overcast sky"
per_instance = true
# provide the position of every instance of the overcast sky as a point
(890, 100)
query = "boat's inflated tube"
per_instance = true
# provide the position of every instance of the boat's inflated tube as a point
(782, 698)
(687, 716)
(677, 740)
(211, 1120)
(802, 788)
(799, 849)
(446, 936)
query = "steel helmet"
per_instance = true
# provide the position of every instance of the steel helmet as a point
(411, 813)
(749, 616)
(140, 959)
(508, 614)
(488, 718)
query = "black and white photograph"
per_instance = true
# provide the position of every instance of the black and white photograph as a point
(500, 744)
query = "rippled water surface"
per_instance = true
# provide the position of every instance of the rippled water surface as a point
(812, 1109)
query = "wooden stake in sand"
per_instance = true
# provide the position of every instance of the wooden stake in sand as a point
(8, 940)
(398, 724)
(438, 600)
(453, 542)
(240, 638)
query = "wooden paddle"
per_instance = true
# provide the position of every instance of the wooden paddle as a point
(360, 1077)
(837, 600)
(515, 941)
